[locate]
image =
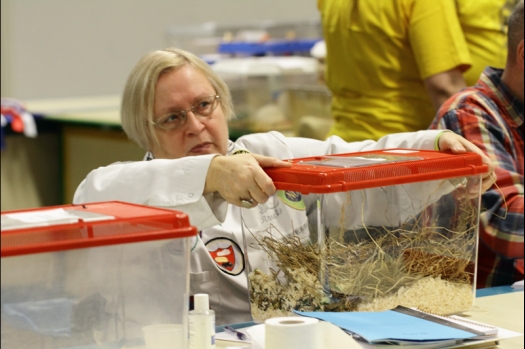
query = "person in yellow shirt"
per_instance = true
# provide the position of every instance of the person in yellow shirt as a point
(390, 64)
(484, 25)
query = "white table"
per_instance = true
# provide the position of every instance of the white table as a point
(501, 310)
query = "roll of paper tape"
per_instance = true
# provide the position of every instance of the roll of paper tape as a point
(293, 333)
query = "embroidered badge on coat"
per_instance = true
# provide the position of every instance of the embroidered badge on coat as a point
(227, 255)
(294, 199)
(240, 151)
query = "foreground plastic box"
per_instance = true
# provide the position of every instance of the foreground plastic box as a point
(93, 276)
(368, 231)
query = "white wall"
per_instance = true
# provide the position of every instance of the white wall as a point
(63, 48)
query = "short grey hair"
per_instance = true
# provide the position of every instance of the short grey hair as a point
(138, 97)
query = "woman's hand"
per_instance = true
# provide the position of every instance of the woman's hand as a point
(456, 144)
(241, 177)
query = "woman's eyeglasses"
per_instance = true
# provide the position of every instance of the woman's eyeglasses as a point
(175, 119)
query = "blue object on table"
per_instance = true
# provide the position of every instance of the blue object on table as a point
(21, 121)
(235, 326)
(390, 326)
(275, 47)
(238, 334)
(492, 291)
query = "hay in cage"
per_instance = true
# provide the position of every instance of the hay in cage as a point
(414, 265)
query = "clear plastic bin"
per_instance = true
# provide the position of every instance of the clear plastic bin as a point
(257, 87)
(309, 109)
(206, 38)
(368, 231)
(93, 275)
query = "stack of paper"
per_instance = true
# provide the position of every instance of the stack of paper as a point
(404, 326)
(518, 285)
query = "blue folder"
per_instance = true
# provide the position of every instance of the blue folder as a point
(392, 326)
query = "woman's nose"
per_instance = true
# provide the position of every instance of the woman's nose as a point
(194, 122)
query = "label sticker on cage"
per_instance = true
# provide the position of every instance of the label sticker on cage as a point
(294, 199)
(401, 151)
(227, 255)
(359, 161)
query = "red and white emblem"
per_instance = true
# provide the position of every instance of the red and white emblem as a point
(227, 255)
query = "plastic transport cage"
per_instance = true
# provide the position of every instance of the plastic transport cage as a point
(367, 231)
(93, 275)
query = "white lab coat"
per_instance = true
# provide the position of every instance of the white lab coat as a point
(216, 257)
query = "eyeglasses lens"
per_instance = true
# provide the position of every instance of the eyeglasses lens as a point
(206, 106)
(203, 107)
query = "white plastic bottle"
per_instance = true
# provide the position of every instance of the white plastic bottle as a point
(202, 323)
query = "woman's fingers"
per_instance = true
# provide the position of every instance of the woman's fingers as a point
(241, 180)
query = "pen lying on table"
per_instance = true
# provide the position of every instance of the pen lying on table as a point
(239, 335)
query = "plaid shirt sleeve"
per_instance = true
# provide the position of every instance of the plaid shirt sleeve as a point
(501, 218)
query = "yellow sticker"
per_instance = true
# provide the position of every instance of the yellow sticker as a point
(294, 199)
(241, 151)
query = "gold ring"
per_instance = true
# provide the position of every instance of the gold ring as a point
(247, 203)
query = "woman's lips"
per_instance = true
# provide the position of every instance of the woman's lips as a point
(202, 148)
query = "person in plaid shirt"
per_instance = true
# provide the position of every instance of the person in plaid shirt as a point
(490, 115)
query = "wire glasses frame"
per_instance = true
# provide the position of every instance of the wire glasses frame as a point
(175, 119)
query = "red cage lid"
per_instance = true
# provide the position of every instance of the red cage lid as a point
(351, 171)
(66, 227)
